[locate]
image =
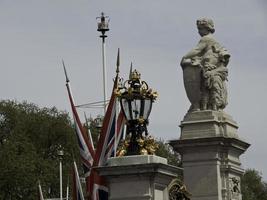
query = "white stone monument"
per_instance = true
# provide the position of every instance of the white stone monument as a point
(210, 149)
(209, 144)
(141, 177)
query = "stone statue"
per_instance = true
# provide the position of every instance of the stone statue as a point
(177, 190)
(205, 72)
(235, 193)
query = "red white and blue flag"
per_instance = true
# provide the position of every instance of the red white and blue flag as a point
(77, 192)
(111, 133)
(115, 139)
(105, 146)
(113, 122)
(99, 189)
(85, 147)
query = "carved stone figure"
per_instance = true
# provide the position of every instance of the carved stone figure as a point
(235, 189)
(205, 72)
(178, 191)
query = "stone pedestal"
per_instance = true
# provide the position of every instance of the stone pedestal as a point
(210, 148)
(138, 177)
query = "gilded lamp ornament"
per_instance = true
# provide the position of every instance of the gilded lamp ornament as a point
(136, 100)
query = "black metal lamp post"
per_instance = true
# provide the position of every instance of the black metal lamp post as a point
(136, 100)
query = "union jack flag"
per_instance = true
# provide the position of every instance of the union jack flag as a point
(114, 141)
(98, 188)
(85, 147)
(77, 193)
(110, 135)
(107, 143)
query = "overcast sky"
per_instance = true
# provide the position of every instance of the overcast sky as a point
(154, 34)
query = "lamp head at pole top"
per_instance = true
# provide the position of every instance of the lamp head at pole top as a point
(60, 151)
(103, 24)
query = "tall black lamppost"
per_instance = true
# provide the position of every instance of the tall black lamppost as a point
(136, 100)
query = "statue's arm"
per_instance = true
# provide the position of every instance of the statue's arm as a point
(197, 51)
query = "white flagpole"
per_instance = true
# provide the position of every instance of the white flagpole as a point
(78, 180)
(124, 132)
(103, 28)
(89, 132)
(104, 73)
(40, 191)
(90, 138)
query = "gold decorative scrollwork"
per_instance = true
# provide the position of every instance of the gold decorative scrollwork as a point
(178, 191)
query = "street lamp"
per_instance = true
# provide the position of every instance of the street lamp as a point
(103, 27)
(60, 154)
(136, 100)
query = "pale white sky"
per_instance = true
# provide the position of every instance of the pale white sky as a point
(36, 34)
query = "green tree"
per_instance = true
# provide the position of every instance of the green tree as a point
(94, 125)
(166, 151)
(253, 187)
(29, 140)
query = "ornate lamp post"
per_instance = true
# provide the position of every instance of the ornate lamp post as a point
(136, 100)
(102, 26)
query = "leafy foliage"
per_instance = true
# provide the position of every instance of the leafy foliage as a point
(166, 151)
(94, 125)
(29, 140)
(253, 187)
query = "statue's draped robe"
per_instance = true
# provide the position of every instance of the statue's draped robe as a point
(212, 58)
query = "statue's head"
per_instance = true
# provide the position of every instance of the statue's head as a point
(205, 26)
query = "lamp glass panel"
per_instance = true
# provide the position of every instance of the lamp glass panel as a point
(136, 106)
(126, 109)
(147, 108)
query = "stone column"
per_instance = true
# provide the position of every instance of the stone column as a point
(210, 148)
(138, 177)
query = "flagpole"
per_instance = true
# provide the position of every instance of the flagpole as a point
(116, 103)
(88, 131)
(41, 197)
(79, 186)
(104, 73)
(86, 151)
(103, 28)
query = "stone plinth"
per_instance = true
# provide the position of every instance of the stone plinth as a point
(210, 150)
(138, 177)
(208, 123)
